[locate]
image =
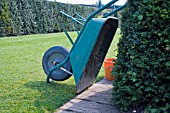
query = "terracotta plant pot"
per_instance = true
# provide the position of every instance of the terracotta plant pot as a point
(108, 67)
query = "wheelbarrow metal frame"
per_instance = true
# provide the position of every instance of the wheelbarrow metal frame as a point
(86, 22)
(79, 20)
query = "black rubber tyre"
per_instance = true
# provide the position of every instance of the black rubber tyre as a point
(54, 56)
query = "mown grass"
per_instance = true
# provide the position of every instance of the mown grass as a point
(22, 79)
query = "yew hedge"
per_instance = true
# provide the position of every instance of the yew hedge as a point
(143, 68)
(23, 17)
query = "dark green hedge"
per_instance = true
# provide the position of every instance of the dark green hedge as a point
(22, 17)
(143, 68)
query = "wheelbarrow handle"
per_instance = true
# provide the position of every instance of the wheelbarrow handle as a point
(68, 16)
(90, 17)
(79, 17)
(64, 29)
(74, 20)
(114, 11)
(101, 9)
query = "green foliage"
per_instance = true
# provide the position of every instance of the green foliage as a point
(5, 27)
(16, 22)
(143, 68)
(23, 17)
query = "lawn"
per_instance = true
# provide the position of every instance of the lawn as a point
(22, 79)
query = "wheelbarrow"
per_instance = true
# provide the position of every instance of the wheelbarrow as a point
(87, 54)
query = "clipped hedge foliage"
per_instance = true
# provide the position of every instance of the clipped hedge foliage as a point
(5, 27)
(23, 17)
(143, 68)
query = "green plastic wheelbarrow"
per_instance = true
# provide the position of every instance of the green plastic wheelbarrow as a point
(87, 54)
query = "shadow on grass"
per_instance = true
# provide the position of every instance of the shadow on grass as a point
(51, 96)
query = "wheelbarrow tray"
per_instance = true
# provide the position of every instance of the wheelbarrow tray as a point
(90, 50)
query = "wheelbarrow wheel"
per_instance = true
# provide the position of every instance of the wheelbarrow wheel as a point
(54, 56)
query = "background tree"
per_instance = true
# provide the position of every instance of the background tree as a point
(1, 22)
(5, 19)
(23, 17)
(15, 16)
